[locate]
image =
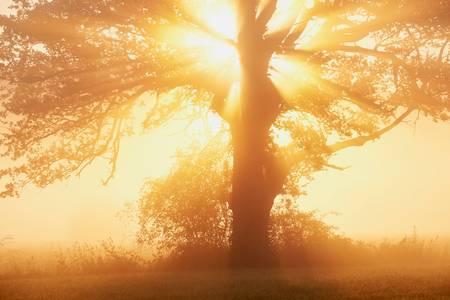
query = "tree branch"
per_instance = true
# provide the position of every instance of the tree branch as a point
(266, 12)
(291, 32)
(397, 62)
(286, 166)
(361, 140)
(213, 34)
(356, 98)
(441, 52)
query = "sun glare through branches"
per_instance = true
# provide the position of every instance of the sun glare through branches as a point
(210, 45)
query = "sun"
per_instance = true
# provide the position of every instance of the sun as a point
(205, 45)
(219, 16)
(212, 53)
(221, 19)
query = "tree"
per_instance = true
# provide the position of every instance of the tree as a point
(187, 223)
(187, 209)
(326, 74)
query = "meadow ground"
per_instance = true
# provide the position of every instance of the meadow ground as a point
(348, 283)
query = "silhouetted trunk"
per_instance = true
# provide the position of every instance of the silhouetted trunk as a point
(255, 181)
(251, 201)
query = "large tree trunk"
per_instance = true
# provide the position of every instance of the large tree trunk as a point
(255, 183)
(251, 201)
(256, 176)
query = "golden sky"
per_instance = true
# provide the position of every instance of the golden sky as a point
(392, 185)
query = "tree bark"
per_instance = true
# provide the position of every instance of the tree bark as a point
(254, 174)
(251, 202)
(251, 207)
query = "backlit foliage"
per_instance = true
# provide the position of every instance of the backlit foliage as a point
(185, 220)
(186, 214)
(189, 207)
(73, 72)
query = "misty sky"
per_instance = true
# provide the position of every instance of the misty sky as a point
(393, 185)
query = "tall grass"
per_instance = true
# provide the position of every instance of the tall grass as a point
(107, 257)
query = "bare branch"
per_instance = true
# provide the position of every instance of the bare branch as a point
(441, 52)
(335, 167)
(295, 33)
(290, 32)
(361, 140)
(115, 151)
(266, 12)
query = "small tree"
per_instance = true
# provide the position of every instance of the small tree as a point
(188, 208)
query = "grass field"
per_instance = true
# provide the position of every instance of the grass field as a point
(348, 283)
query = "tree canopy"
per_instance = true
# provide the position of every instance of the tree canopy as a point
(347, 71)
